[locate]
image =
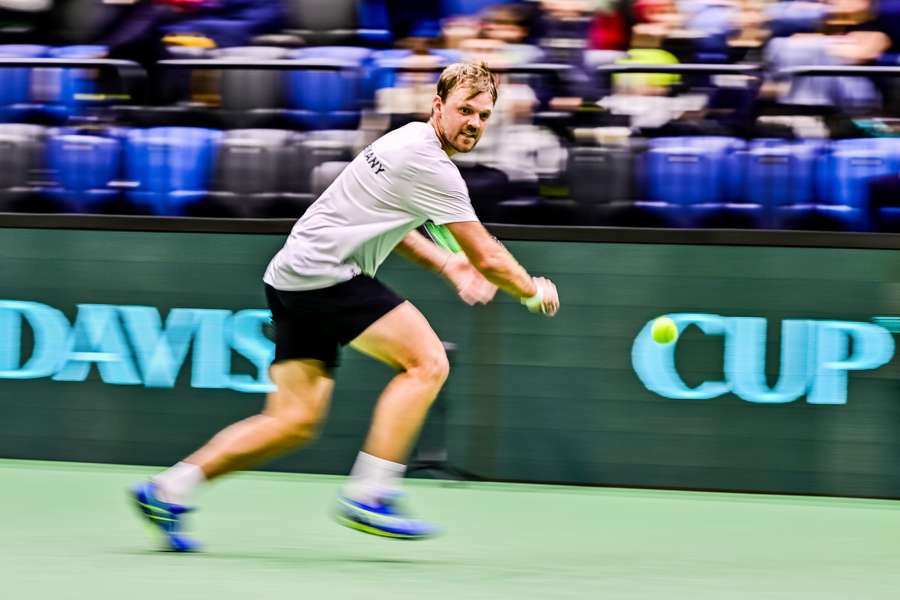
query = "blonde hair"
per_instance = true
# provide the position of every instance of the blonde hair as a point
(476, 77)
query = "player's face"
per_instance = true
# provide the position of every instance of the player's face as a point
(461, 120)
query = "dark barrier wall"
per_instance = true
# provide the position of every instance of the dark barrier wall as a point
(134, 347)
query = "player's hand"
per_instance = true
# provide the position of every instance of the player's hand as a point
(546, 300)
(471, 285)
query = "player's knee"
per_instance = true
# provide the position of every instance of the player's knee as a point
(300, 429)
(299, 425)
(433, 367)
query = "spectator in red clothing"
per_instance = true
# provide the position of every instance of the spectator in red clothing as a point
(610, 29)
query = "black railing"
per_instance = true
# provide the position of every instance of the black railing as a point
(848, 71)
(625, 235)
(306, 64)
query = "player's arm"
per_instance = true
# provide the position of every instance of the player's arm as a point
(416, 248)
(499, 267)
(472, 287)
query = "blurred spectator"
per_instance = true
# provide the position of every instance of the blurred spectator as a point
(663, 13)
(713, 22)
(646, 39)
(508, 24)
(851, 93)
(523, 151)
(846, 44)
(789, 17)
(457, 29)
(882, 22)
(138, 32)
(563, 29)
(752, 27)
(646, 97)
(227, 22)
(877, 35)
(412, 92)
(611, 27)
(502, 33)
(514, 156)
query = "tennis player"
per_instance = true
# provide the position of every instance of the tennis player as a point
(322, 292)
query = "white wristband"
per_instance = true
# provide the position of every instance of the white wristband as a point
(534, 303)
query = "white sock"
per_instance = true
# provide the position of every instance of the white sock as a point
(178, 483)
(373, 478)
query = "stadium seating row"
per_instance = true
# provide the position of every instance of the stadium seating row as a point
(676, 181)
(725, 181)
(167, 170)
(313, 99)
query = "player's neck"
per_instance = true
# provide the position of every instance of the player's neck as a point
(450, 150)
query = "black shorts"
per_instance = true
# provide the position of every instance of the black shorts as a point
(315, 323)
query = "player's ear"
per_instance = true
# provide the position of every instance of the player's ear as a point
(436, 105)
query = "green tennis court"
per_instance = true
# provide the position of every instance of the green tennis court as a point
(69, 532)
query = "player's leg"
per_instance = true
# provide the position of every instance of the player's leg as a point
(404, 340)
(305, 354)
(292, 416)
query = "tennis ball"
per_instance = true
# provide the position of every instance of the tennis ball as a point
(664, 330)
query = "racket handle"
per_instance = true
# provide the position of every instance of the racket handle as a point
(534, 303)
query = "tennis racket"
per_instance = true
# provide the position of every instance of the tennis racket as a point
(441, 236)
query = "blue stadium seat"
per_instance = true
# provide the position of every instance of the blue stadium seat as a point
(328, 99)
(382, 73)
(81, 168)
(844, 175)
(169, 167)
(15, 83)
(691, 173)
(70, 91)
(47, 95)
(778, 176)
(373, 21)
(853, 163)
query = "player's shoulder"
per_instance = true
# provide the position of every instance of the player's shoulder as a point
(413, 140)
(417, 147)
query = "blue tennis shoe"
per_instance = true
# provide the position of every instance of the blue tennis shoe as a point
(164, 516)
(385, 518)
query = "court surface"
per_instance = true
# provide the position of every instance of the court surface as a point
(69, 532)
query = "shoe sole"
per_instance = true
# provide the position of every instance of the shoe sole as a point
(364, 528)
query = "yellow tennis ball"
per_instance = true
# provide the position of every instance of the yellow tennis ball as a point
(664, 330)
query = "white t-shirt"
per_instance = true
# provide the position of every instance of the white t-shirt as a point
(393, 186)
